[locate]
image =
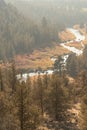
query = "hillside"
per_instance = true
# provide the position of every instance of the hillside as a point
(19, 35)
(59, 12)
(45, 102)
(29, 25)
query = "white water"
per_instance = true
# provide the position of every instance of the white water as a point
(79, 38)
(25, 76)
(78, 35)
(65, 57)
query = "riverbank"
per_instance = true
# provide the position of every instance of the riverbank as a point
(40, 58)
(78, 38)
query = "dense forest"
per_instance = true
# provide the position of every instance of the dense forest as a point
(44, 100)
(19, 35)
(59, 12)
(74, 64)
(25, 26)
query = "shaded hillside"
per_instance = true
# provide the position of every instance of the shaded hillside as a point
(19, 35)
(60, 12)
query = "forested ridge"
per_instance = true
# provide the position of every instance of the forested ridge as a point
(19, 35)
(63, 13)
(46, 101)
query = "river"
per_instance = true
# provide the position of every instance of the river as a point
(78, 38)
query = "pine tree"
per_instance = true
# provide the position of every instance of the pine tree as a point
(7, 118)
(45, 81)
(83, 114)
(40, 94)
(12, 77)
(57, 98)
(1, 81)
(27, 112)
(72, 65)
(14, 80)
(82, 82)
(58, 65)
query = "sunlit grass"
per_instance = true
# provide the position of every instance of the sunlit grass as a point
(84, 9)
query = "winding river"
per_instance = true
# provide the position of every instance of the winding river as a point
(78, 38)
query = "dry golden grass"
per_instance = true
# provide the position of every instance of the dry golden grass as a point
(83, 31)
(39, 58)
(66, 35)
(77, 26)
(75, 44)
